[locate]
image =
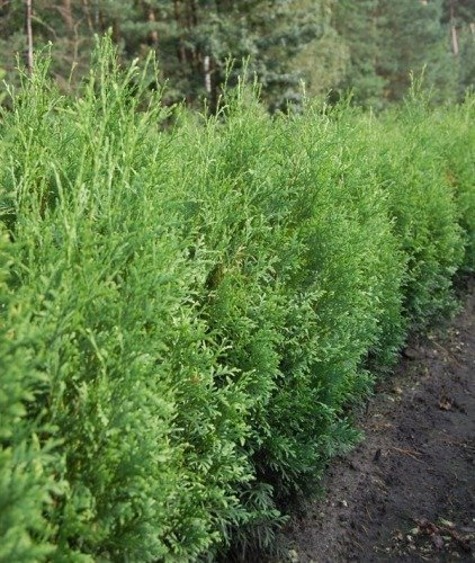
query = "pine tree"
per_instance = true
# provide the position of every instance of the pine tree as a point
(193, 40)
(414, 42)
(358, 25)
(268, 35)
(369, 47)
(459, 16)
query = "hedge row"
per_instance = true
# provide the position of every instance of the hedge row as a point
(190, 304)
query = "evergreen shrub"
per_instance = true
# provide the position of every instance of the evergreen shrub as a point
(191, 304)
(456, 135)
(121, 371)
(423, 207)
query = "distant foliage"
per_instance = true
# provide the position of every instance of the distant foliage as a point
(191, 304)
(368, 47)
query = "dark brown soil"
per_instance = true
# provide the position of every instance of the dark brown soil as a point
(407, 492)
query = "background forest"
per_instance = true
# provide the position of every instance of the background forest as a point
(368, 46)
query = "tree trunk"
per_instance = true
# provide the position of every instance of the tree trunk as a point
(180, 47)
(87, 11)
(67, 14)
(207, 71)
(453, 29)
(29, 36)
(154, 33)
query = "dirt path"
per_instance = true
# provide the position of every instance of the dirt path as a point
(408, 492)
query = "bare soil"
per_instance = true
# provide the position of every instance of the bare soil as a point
(407, 492)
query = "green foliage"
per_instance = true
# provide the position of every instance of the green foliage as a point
(387, 42)
(26, 463)
(191, 304)
(359, 29)
(415, 42)
(124, 359)
(424, 209)
(369, 47)
(456, 144)
(194, 41)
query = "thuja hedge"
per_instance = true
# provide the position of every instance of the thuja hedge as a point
(190, 305)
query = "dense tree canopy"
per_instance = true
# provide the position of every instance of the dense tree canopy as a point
(369, 46)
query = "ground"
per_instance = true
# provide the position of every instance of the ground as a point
(407, 492)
